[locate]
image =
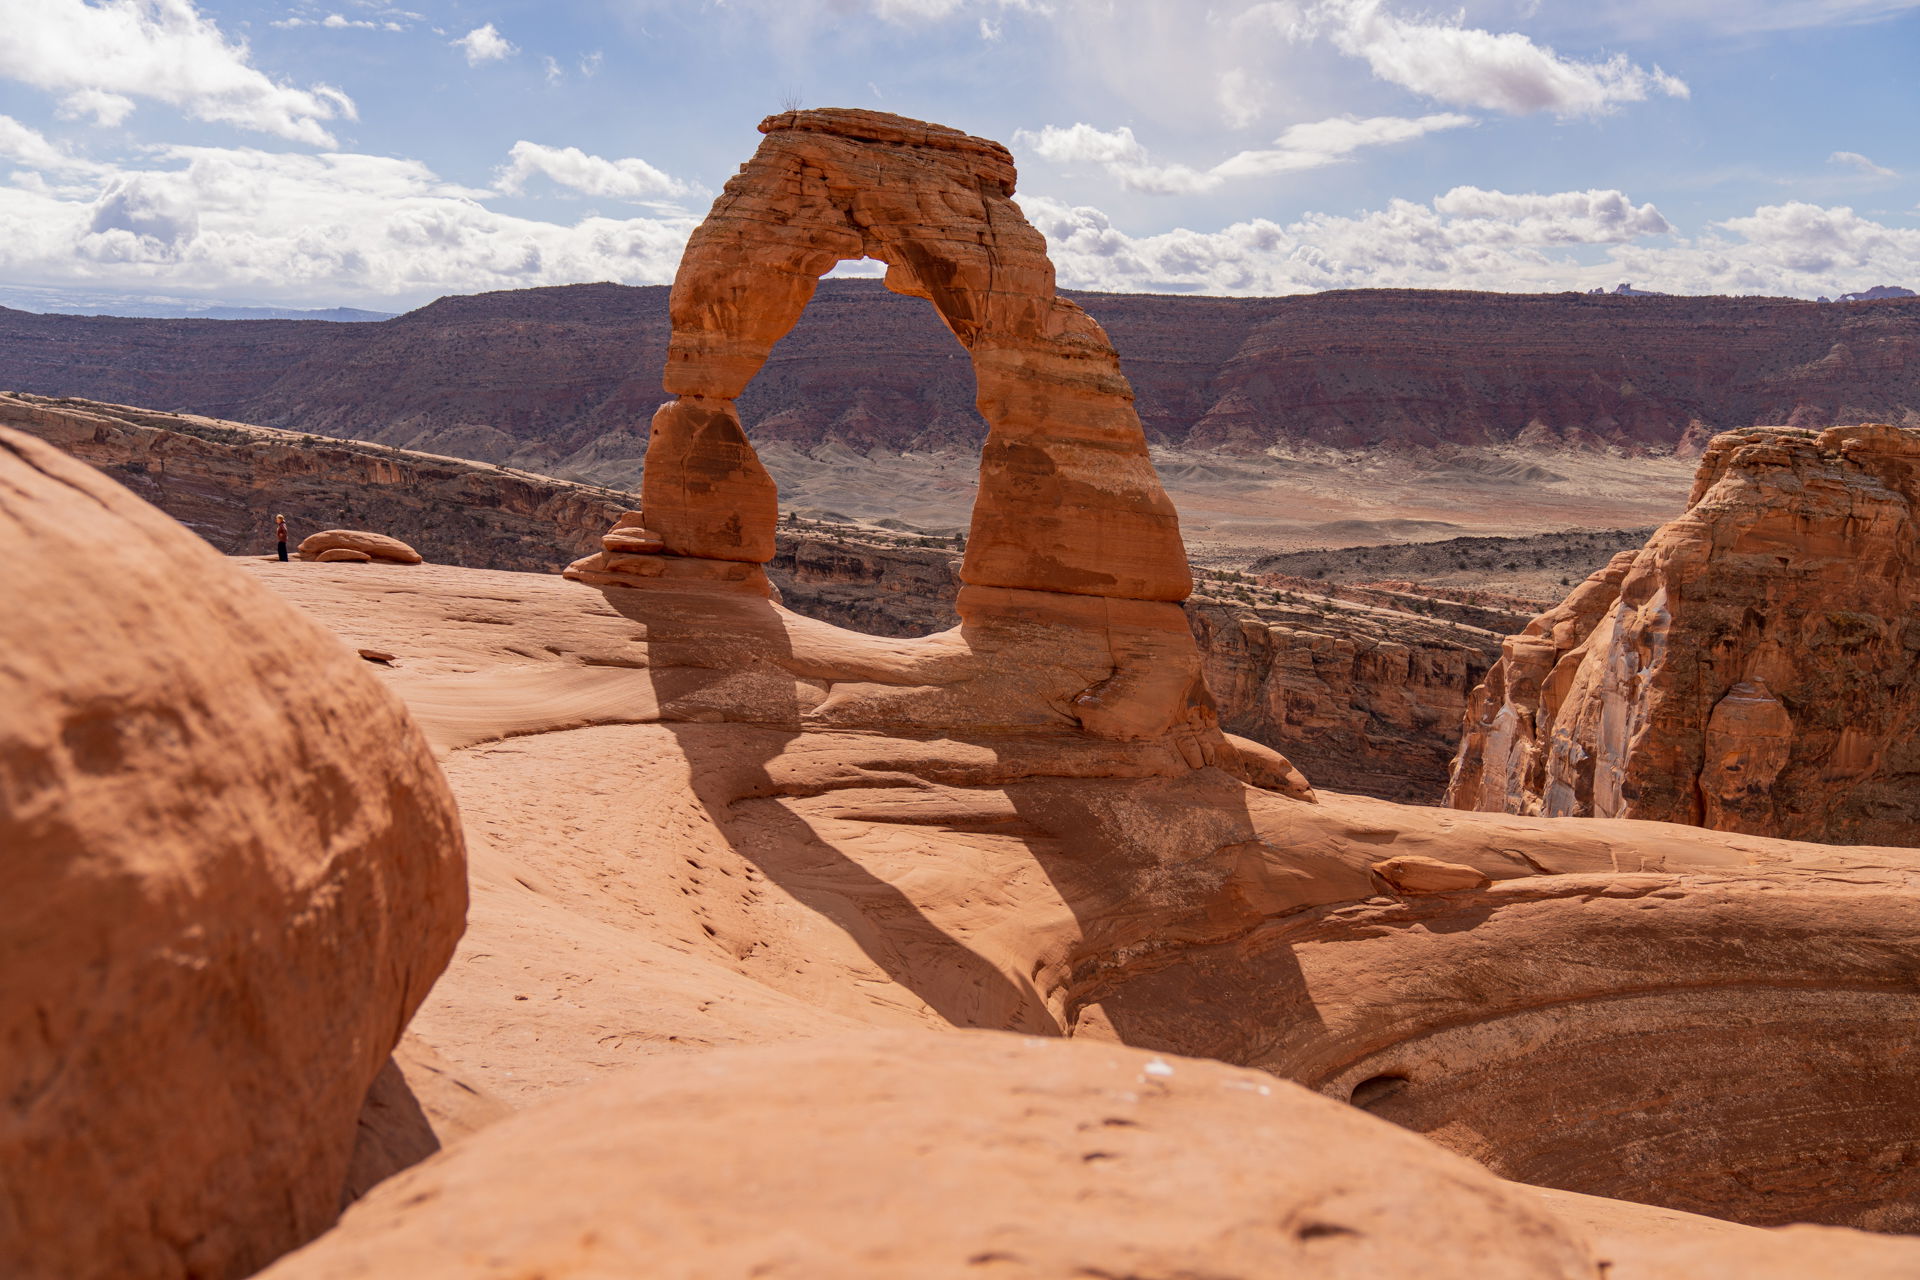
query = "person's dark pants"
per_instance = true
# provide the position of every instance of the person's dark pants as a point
(283, 552)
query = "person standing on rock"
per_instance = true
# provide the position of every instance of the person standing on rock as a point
(280, 536)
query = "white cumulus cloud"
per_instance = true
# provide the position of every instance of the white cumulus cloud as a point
(163, 50)
(29, 147)
(570, 167)
(242, 222)
(107, 109)
(1470, 238)
(1469, 67)
(484, 44)
(1303, 146)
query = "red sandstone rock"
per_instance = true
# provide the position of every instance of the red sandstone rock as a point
(1068, 499)
(1074, 563)
(945, 1155)
(1259, 765)
(375, 546)
(342, 555)
(1413, 873)
(232, 872)
(1752, 669)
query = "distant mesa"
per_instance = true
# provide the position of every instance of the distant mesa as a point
(564, 380)
(146, 306)
(1876, 294)
(1624, 290)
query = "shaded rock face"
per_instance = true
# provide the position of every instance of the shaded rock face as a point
(1752, 669)
(1362, 699)
(1367, 700)
(226, 481)
(233, 871)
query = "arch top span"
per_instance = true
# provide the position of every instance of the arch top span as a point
(1068, 498)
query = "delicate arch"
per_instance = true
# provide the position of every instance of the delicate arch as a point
(1068, 498)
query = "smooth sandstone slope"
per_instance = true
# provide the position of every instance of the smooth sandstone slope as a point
(681, 841)
(946, 1155)
(233, 872)
(1751, 669)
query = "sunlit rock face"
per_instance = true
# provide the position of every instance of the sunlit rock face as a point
(1751, 669)
(232, 873)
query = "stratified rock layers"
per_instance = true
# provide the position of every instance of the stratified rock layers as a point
(232, 872)
(1751, 669)
(1068, 498)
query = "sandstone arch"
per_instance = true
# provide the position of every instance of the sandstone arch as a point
(1068, 500)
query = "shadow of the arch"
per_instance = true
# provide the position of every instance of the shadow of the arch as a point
(728, 685)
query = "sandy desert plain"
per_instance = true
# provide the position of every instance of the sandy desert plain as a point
(380, 915)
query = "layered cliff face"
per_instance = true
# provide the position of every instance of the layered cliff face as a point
(226, 481)
(567, 377)
(1751, 669)
(1363, 699)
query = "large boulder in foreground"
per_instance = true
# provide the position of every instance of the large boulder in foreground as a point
(232, 872)
(375, 546)
(938, 1154)
(1754, 668)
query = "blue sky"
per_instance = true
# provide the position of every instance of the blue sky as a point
(373, 154)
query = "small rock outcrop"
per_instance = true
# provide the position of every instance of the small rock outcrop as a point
(1751, 669)
(343, 555)
(233, 871)
(371, 546)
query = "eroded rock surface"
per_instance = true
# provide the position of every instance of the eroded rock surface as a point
(946, 1155)
(232, 873)
(1752, 669)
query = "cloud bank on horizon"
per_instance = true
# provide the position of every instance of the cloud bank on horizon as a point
(366, 153)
